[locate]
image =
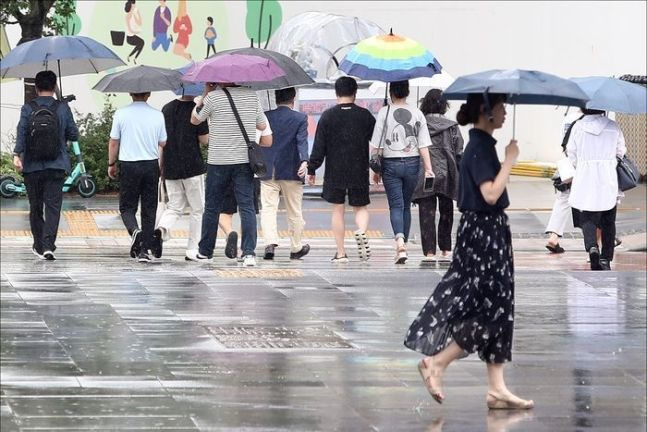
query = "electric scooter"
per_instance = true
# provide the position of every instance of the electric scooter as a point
(79, 178)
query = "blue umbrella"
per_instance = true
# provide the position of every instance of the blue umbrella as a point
(612, 94)
(520, 87)
(189, 89)
(68, 55)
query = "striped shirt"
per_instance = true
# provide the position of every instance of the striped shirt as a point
(226, 143)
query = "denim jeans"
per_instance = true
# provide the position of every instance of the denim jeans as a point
(400, 177)
(163, 40)
(219, 178)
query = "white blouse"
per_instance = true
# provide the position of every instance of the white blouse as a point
(593, 146)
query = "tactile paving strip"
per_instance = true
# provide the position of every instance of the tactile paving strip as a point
(310, 338)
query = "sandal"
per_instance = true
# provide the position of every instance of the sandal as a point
(556, 249)
(494, 402)
(426, 374)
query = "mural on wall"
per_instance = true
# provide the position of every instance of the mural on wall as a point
(263, 18)
(161, 23)
(210, 36)
(183, 29)
(71, 23)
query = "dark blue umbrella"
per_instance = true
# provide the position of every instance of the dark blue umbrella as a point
(66, 55)
(521, 87)
(612, 94)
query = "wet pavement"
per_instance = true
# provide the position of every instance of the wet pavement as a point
(96, 341)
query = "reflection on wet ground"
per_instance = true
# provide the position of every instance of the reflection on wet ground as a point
(93, 341)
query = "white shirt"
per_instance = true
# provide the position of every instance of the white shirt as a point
(140, 128)
(593, 146)
(406, 131)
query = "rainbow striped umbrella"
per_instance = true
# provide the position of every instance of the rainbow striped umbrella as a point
(389, 58)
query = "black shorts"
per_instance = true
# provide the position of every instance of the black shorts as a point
(229, 204)
(357, 197)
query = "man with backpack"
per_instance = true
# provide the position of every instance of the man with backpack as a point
(40, 154)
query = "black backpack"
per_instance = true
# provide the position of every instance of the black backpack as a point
(43, 139)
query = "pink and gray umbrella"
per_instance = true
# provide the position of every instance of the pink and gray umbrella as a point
(234, 68)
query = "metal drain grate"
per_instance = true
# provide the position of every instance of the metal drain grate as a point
(249, 337)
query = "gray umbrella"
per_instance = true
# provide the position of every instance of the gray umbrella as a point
(294, 75)
(140, 79)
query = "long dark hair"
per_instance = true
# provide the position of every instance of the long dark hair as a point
(434, 103)
(129, 5)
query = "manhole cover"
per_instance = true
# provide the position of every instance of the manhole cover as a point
(278, 338)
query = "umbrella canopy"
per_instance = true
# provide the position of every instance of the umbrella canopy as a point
(234, 68)
(140, 79)
(293, 75)
(318, 41)
(189, 89)
(521, 87)
(65, 55)
(389, 58)
(612, 94)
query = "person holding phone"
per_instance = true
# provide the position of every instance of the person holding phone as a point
(472, 308)
(401, 136)
(446, 149)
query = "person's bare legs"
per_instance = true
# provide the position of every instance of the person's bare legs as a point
(498, 394)
(432, 369)
(361, 218)
(225, 222)
(339, 228)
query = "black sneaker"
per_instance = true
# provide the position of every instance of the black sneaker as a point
(144, 257)
(594, 256)
(157, 243)
(49, 255)
(231, 248)
(604, 264)
(39, 255)
(617, 242)
(303, 252)
(269, 252)
(135, 243)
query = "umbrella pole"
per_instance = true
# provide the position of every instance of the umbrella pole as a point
(60, 79)
(418, 97)
(386, 92)
(514, 120)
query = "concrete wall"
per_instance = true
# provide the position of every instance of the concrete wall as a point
(565, 38)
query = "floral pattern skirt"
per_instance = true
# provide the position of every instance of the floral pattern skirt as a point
(473, 304)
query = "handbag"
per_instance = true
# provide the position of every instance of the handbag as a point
(162, 200)
(628, 174)
(254, 151)
(376, 159)
(117, 37)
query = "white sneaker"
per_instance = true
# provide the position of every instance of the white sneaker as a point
(426, 258)
(40, 256)
(363, 249)
(197, 257)
(49, 255)
(249, 261)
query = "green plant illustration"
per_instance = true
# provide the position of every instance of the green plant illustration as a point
(263, 18)
(68, 25)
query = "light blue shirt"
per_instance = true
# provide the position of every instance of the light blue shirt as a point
(140, 128)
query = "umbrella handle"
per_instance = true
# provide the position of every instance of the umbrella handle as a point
(514, 120)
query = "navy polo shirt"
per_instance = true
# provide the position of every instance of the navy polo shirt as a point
(479, 164)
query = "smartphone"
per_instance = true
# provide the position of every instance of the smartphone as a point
(429, 184)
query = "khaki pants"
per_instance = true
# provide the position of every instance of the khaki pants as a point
(292, 191)
(180, 194)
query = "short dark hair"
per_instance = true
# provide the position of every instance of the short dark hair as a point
(210, 20)
(434, 102)
(587, 111)
(399, 89)
(285, 95)
(140, 95)
(45, 81)
(345, 86)
(470, 111)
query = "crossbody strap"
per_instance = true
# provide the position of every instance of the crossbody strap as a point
(240, 122)
(379, 148)
(567, 135)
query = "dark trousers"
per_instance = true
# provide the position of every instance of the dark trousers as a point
(210, 47)
(138, 182)
(45, 190)
(138, 43)
(427, 215)
(606, 221)
(219, 179)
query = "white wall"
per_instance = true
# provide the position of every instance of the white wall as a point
(564, 38)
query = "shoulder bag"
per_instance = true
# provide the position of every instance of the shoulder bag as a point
(376, 159)
(628, 174)
(254, 152)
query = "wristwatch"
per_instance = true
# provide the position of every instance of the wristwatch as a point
(112, 164)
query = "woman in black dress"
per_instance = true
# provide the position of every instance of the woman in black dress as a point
(472, 308)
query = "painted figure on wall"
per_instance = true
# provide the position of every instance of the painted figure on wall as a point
(210, 35)
(133, 28)
(182, 26)
(161, 23)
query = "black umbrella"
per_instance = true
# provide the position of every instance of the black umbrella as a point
(140, 79)
(294, 75)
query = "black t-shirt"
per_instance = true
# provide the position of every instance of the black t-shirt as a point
(182, 155)
(479, 164)
(342, 138)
